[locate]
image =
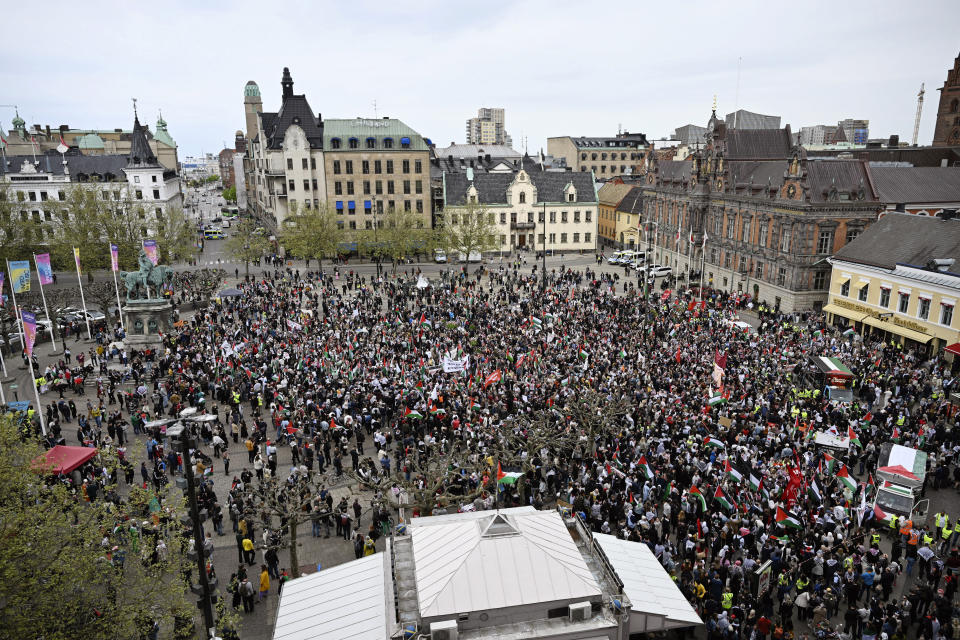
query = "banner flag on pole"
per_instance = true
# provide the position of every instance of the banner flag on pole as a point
(20, 276)
(76, 258)
(44, 270)
(1, 289)
(114, 257)
(150, 248)
(29, 331)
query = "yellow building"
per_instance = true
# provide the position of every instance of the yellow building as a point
(609, 196)
(900, 281)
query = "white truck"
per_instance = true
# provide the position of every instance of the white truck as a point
(900, 474)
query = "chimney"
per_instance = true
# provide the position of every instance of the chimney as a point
(48, 131)
(64, 128)
(894, 141)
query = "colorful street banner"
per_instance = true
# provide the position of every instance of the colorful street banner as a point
(29, 331)
(20, 276)
(150, 248)
(76, 258)
(2, 297)
(44, 270)
(114, 257)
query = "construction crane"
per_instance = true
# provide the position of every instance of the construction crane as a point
(916, 122)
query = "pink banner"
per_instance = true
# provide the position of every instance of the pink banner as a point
(150, 248)
(114, 257)
(29, 331)
(44, 270)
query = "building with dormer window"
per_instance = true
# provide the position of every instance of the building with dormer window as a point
(532, 207)
(757, 213)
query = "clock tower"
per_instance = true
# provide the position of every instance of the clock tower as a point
(947, 130)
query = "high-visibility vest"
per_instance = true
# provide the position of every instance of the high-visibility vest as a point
(907, 526)
(900, 421)
(927, 538)
(727, 600)
(875, 538)
(893, 521)
(940, 520)
(946, 532)
(956, 526)
(914, 538)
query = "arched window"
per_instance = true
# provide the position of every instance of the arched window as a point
(335, 143)
(523, 197)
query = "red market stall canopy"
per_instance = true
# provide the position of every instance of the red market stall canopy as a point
(899, 470)
(64, 459)
(954, 348)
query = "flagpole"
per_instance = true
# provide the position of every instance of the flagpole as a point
(46, 309)
(33, 382)
(703, 262)
(116, 286)
(16, 309)
(83, 302)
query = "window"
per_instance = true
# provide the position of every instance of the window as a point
(785, 239)
(348, 166)
(338, 188)
(553, 217)
(576, 238)
(718, 225)
(586, 237)
(745, 230)
(365, 166)
(156, 194)
(313, 164)
(540, 239)
(587, 217)
(946, 314)
(406, 166)
(377, 167)
(290, 164)
(553, 238)
(371, 143)
(291, 185)
(366, 187)
(139, 194)
(923, 308)
(61, 196)
(418, 186)
(340, 225)
(825, 241)
(743, 264)
(153, 178)
(306, 185)
(390, 187)
(354, 143)
(33, 196)
(904, 302)
(391, 206)
(759, 270)
(349, 188)
(389, 166)
(335, 143)
(406, 187)
(864, 292)
(884, 297)
(304, 163)
(418, 166)
(563, 216)
(406, 206)
(563, 238)
(379, 186)
(731, 225)
(420, 207)
(503, 217)
(576, 216)
(503, 238)
(314, 184)
(727, 258)
(336, 167)
(762, 233)
(570, 197)
(353, 224)
(845, 288)
(540, 217)
(388, 143)
(852, 235)
(523, 197)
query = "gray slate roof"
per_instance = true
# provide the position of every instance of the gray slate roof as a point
(674, 170)
(141, 155)
(901, 238)
(79, 165)
(846, 175)
(917, 156)
(758, 144)
(905, 185)
(757, 173)
(294, 110)
(632, 202)
(492, 187)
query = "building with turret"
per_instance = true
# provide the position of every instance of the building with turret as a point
(90, 142)
(946, 132)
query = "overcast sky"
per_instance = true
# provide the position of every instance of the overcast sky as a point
(557, 67)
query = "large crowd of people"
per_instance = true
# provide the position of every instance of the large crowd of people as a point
(378, 382)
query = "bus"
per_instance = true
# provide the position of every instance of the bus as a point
(831, 376)
(213, 234)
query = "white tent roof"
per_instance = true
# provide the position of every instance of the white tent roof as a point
(345, 602)
(652, 592)
(489, 560)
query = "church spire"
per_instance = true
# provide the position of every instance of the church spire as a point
(140, 153)
(286, 83)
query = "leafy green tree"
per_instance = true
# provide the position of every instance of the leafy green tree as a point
(71, 568)
(402, 235)
(311, 233)
(78, 221)
(20, 232)
(246, 245)
(230, 194)
(176, 237)
(468, 229)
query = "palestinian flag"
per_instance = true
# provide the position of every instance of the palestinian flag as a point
(716, 400)
(867, 419)
(413, 415)
(763, 491)
(817, 334)
(438, 412)
(849, 332)
(879, 514)
(732, 472)
(844, 476)
(645, 467)
(583, 355)
(725, 502)
(754, 482)
(870, 483)
(623, 353)
(814, 492)
(853, 437)
(830, 460)
(668, 491)
(507, 478)
(710, 441)
(695, 493)
(537, 322)
(787, 520)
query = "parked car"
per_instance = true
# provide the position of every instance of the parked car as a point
(439, 255)
(658, 271)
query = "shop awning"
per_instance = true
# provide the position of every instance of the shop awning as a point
(850, 314)
(954, 348)
(909, 334)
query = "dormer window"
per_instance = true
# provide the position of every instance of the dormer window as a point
(571, 197)
(405, 143)
(354, 143)
(523, 197)
(335, 143)
(371, 143)
(388, 143)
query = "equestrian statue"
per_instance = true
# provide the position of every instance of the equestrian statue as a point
(148, 279)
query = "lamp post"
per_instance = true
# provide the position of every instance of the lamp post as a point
(180, 433)
(376, 241)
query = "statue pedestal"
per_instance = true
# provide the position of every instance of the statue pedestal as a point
(144, 320)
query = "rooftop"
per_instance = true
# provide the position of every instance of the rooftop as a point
(905, 185)
(377, 128)
(492, 187)
(905, 239)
